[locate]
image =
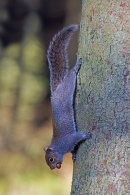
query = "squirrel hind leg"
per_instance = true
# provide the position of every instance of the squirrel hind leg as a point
(77, 65)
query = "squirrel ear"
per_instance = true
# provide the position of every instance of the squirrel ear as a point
(45, 149)
(49, 150)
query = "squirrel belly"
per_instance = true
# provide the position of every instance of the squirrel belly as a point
(62, 83)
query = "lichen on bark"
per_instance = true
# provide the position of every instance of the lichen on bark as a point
(102, 102)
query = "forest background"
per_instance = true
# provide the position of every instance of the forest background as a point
(26, 28)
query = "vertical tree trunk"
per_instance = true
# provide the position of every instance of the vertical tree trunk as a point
(103, 99)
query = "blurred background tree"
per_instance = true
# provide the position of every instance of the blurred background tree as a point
(26, 28)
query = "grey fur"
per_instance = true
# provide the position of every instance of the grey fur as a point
(63, 83)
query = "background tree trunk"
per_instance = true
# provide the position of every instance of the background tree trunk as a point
(103, 99)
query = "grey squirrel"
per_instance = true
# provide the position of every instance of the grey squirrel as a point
(62, 83)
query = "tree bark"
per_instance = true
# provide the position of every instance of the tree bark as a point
(103, 99)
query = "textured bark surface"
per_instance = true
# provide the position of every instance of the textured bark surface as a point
(103, 99)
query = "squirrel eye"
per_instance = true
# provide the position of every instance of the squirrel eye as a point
(51, 159)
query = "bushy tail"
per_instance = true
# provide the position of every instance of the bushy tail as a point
(57, 55)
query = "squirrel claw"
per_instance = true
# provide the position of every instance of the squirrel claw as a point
(88, 135)
(73, 155)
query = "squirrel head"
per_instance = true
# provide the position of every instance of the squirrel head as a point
(53, 158)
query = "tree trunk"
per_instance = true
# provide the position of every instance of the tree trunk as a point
(103, 99)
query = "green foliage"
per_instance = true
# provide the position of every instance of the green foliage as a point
(24, 86)
(24, 176)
